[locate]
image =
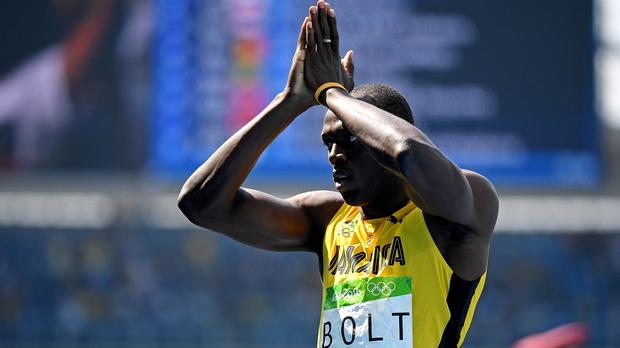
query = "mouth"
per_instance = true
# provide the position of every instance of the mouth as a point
(341, 177)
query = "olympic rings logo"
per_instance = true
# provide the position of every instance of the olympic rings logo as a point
(381, 288)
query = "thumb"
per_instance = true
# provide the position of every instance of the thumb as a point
(347, 63)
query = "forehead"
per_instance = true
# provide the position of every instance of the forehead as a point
(331, 124)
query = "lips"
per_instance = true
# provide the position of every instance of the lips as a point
(340, 175)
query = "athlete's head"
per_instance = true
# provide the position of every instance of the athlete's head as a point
(386, 98)
(357, 176)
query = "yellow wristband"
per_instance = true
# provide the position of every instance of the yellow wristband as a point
(325, 86)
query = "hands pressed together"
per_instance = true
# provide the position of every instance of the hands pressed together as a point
(317, 57)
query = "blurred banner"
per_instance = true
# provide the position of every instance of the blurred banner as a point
(505, 89)
(74, 84)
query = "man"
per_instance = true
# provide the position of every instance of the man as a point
(404, 242)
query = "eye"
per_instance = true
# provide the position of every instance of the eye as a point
(328, 144)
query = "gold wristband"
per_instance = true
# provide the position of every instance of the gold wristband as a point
(325, 86)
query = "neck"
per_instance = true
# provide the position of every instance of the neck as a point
(381, 209)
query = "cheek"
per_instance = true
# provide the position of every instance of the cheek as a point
(368, 171)
(373, 175)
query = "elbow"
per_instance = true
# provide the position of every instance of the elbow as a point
(197, 208)
(408, 144)
(403, 150)
(402, 147)
(188, 205)
(412, 154)
(184, 202)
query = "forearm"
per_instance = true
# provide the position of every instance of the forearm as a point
(385, 135)
(431, 179)
(214, 185)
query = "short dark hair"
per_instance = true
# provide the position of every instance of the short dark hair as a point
(386, 98)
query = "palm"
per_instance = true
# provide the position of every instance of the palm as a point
(323, 63)
(297, 83)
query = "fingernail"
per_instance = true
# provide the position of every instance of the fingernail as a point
(321, 4)
(313, 10)
(332, 13)
(309, 25)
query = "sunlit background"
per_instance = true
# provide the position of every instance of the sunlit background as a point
(106, 106)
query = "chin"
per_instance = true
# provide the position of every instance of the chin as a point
(353, 198)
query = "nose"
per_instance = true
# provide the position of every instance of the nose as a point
(336, 154)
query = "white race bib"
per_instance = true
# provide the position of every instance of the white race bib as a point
(370, 312)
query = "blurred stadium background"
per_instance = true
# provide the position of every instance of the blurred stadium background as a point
(107, 105)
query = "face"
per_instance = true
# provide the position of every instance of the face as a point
(357, 176)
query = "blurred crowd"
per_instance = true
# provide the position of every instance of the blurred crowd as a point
(169, 286)
(154, 286)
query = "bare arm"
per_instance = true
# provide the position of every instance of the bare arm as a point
(212, 196)
(434, 183)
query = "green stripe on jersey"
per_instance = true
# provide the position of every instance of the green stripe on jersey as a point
(366, 289)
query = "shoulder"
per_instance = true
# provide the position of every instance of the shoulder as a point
(481, 186)
(478, 180)
(320, 206)
(465, 248)
(485, 209)
(319, 198)
(485, 202)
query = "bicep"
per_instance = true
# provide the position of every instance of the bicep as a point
(269, 222)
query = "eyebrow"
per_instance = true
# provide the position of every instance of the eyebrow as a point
(338, 134)
(334, 133)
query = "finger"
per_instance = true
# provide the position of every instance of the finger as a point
(301, 41)
(347, 63)
(333, 28)
(314, 16)
(310, 39)
(325, 33)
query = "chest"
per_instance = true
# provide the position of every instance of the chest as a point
(355, 249)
